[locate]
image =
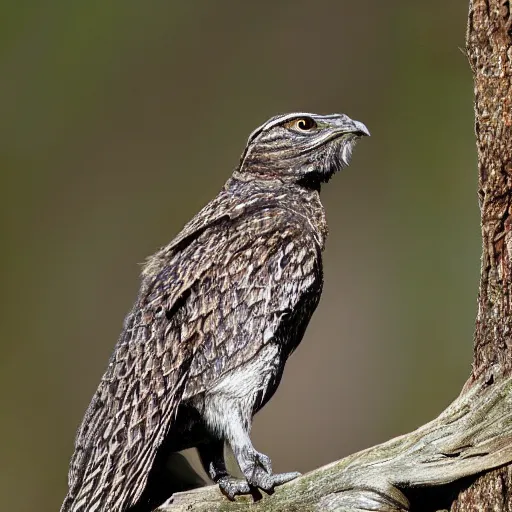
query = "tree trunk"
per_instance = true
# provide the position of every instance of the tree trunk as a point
(489, 48)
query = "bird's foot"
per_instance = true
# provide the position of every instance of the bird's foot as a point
(258, 471)
(231, 486)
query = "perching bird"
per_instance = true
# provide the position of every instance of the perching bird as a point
(219, 311)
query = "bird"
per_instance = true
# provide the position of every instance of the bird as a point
(219, 311)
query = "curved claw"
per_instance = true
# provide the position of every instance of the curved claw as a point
(259, 473)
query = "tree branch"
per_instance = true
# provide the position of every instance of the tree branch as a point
(473, 435)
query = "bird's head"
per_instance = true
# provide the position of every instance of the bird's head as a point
(301, 147)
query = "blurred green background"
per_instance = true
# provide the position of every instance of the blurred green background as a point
(120, 120)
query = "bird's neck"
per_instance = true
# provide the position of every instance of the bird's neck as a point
(307, 202)
(302, 200)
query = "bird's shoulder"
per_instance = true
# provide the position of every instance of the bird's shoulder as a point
(242, 211)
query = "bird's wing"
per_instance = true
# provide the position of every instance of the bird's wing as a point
(206, 306)
(269, 279)
(142, 386)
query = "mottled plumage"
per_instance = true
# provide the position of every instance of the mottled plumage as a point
(219, 311)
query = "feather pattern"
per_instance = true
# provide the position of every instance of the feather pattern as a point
(237, 285)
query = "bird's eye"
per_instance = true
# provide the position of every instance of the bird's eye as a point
(303, 124)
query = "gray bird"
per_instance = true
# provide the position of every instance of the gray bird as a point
(219, 311)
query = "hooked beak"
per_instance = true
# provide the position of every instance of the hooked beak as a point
(349, 131)
(360, 129)
(347, 125)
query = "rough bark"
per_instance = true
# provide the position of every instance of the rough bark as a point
(438, 466)
(489, 48)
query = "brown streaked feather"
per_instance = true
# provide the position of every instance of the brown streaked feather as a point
(219, 310)
(208, 302)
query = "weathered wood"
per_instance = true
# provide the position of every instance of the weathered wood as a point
(472, 435)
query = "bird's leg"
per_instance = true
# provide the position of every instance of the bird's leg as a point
(212, 459)
(256, 467)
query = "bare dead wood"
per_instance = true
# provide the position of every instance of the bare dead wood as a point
(473, 435)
